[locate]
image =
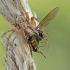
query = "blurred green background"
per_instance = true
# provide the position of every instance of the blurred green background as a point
(58, 57)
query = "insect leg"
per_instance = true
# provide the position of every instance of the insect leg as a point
(41, 53)
(30, 48)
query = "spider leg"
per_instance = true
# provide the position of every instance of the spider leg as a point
(7, 32)
(11, 34)
(35, 19)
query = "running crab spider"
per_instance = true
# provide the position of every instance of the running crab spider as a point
(17, 25)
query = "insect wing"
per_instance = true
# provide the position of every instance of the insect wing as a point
(48, 18)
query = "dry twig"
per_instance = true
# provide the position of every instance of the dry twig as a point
(17, 50)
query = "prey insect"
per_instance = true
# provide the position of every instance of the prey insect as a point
(35, 38)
